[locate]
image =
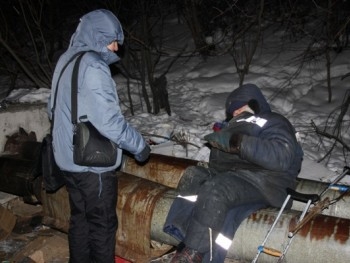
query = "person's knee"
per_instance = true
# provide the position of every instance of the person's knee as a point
(212, 189)
(192, 179)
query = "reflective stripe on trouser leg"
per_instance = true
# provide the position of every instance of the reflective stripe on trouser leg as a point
(215, 200)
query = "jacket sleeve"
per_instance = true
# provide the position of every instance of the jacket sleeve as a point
(274, 148)
(99, 101)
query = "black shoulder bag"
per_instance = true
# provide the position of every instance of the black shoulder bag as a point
(52, 174)
(90, 148)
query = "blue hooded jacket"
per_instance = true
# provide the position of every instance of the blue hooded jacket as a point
(97, 93)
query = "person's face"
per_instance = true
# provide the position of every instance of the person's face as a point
(113, 46)
(239, 111)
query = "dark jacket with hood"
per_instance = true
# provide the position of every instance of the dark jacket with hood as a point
(269, 157)
(97, 93)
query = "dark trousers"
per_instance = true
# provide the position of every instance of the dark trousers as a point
(218, 195)
(93, 219)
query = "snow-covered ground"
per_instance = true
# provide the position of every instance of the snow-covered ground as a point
(198, 88)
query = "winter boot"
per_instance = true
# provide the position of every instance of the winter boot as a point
(187, 255)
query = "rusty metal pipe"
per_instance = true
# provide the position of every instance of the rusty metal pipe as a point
(324, 239)
(338, 209)
(143, 206)
(168, 170)
(162, 169)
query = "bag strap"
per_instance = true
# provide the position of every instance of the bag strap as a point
(58, 80)
(74, 90)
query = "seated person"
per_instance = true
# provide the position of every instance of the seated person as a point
(252, 162)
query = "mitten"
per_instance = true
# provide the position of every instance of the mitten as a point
(144, 154)
(221, 141)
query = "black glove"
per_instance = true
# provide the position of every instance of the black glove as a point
(235, 143)
(144, 154)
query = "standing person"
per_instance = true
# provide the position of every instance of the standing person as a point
(92, 190)
(252, 162)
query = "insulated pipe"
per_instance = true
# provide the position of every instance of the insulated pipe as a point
(143, 207)
(337, 209)
(163, 169)
(168, 171)
(324, 239)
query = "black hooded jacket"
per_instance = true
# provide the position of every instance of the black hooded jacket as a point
(270, 157)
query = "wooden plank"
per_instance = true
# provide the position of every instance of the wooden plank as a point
(7, 222)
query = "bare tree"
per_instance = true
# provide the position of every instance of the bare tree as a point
(336, 127)
(31, 34)
(190, 10)
(328, 35)
(249, 38)
(144, 41)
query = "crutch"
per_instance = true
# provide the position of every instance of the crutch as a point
(306, 198)
(326, 202)
(309, 199)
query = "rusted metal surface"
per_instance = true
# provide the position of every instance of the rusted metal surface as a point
(137, 198)
(327, 228)
(338, 209)
(143, 206)
(323, 239)
(168, 170)
(162, 169)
